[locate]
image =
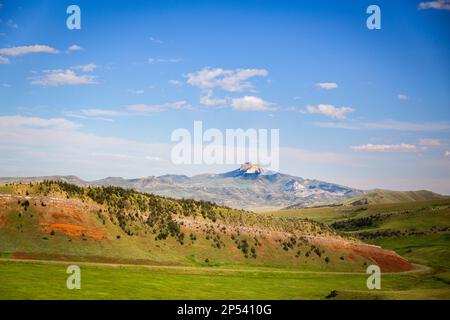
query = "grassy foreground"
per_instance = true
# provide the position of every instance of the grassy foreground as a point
(47, 280)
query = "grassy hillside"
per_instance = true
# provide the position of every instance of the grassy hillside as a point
(419, 230)
(60, 221)
(378, 197)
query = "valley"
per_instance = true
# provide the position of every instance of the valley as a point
(137, 238)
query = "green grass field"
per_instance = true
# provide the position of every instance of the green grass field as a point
(47, 280)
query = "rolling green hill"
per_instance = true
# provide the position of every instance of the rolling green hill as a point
(418, 230)
(61, 221)
(377, 197)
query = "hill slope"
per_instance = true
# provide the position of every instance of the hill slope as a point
(418, 230)
(377, 197)
(63, 221)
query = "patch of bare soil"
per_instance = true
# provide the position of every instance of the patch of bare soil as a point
(387, 260)
(72, 217)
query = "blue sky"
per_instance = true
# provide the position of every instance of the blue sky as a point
(364, 108)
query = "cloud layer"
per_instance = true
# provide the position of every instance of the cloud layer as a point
(404, 147)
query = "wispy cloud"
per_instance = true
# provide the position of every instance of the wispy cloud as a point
(155, 40)
(96, 114)
(54, 78)
(152, 158)
(228, 80)
(18, 51)
(136, 91)
(447, 154)
(430, 142)
(4, 60)
(328, 110)
(209, 101)
(175, 82)
(438, 5)
(74, 47)
(160, 60)
(327, 85)
(11, 24)
(402, 97)
(146, 108)
(34, 122)
(90, 67)
(404, 147)
(386, 125)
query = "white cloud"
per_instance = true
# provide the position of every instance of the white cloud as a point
(438, 5)
(101, 112)
(211, 102)
(228, 80)
(17, 51)
(329, 110)
(60, 77)
(156, 60)
(447, 154)
(75, 47)
(145, 108)
(137, 91)
(152, 39)
(4, 60)
(152, 158)
(110, 155)
(386, 125)
(250, 103)
(90, 67)
(386, 148)
(95, 114)
(430, 142)
(402, 97)
(327, 85)
(175, 82)
(34, 122)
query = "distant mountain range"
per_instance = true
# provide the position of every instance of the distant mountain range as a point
(248, 187)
